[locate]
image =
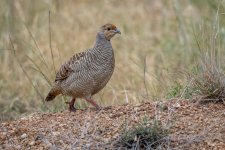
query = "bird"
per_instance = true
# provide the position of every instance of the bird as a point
(87, 72)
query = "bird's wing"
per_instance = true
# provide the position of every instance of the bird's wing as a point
(72, 66)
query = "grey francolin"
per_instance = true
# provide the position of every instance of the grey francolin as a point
(86, 73)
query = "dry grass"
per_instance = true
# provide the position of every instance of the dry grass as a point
(156, 46)
(208, 77)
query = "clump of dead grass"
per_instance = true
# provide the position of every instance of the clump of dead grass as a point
(209, 83)
(208, 78)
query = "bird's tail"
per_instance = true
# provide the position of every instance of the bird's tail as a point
(52, 94)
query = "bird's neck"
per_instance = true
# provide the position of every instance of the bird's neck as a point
(101, 41)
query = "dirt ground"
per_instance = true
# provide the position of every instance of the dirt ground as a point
(191, 126)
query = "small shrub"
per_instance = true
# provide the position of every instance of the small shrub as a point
(146, 135)
(209, 83)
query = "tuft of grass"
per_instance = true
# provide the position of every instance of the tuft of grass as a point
(208, 80)
(146, 135)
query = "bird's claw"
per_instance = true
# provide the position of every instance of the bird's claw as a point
(72, 108)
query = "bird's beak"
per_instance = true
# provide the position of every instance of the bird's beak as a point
(117, 31)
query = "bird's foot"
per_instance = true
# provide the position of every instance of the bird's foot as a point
(93, 103)
(71, 105)
(72, 108)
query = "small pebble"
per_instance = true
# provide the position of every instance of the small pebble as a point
(23, 136)
(177, 105)
(31, 143)
(18, 147)
(56, 133)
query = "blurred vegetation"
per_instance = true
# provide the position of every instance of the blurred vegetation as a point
(158, 47)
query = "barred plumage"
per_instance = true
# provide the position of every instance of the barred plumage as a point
(86, 73)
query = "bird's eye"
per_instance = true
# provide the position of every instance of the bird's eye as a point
(108, 29)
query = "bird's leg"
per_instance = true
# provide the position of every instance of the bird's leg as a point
(71, 105)
(93, 103)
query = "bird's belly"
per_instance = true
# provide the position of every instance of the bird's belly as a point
(100, 80)
(78, 87)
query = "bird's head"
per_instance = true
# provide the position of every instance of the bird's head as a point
(109, 30)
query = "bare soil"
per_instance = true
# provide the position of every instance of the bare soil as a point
(191, 125)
